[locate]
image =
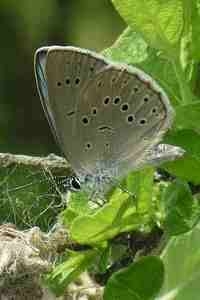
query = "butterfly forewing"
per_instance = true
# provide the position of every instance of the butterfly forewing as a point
(40, 66)
(67, 70)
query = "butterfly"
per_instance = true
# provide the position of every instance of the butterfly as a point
(108, 118)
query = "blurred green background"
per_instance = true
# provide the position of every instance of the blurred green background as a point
(25, 26)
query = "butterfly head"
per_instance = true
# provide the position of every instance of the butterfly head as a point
(68, 183)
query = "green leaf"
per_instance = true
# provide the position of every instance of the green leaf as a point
(162, 70)
(181, 259)
(69, 270)
(187, 139)
(77, 205)
(104, 259)
(124, 212)
(188, 166)
(160, 22)
(140, 184)
(67, 217)
(195, 20)
(130, 48)
(180, 209)
(164, 26)
(188, 116)
(119, 215)
(188, 291)
(140, 281)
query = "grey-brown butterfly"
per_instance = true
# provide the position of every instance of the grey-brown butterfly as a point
(107, 117)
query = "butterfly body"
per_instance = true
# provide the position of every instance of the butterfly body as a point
(105, 116)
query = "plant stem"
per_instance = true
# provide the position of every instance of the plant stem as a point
(186, 94)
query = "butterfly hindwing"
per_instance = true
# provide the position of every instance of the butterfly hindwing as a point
(131, 115)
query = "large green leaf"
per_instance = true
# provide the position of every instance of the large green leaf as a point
(188, 166)
(160, 22)
(165, 26)
(187, 291)
(188, 116)
(162, 70)
(140, 281)
(117, 216)
(181, 212)
(129, 207)
(181, 259)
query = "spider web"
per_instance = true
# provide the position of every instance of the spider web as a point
(29, 197)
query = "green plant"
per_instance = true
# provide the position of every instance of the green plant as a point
(163, 39)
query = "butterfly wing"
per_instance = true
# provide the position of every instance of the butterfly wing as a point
(161, 153)
(61, 73)
(131, 115)
(103, 114)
